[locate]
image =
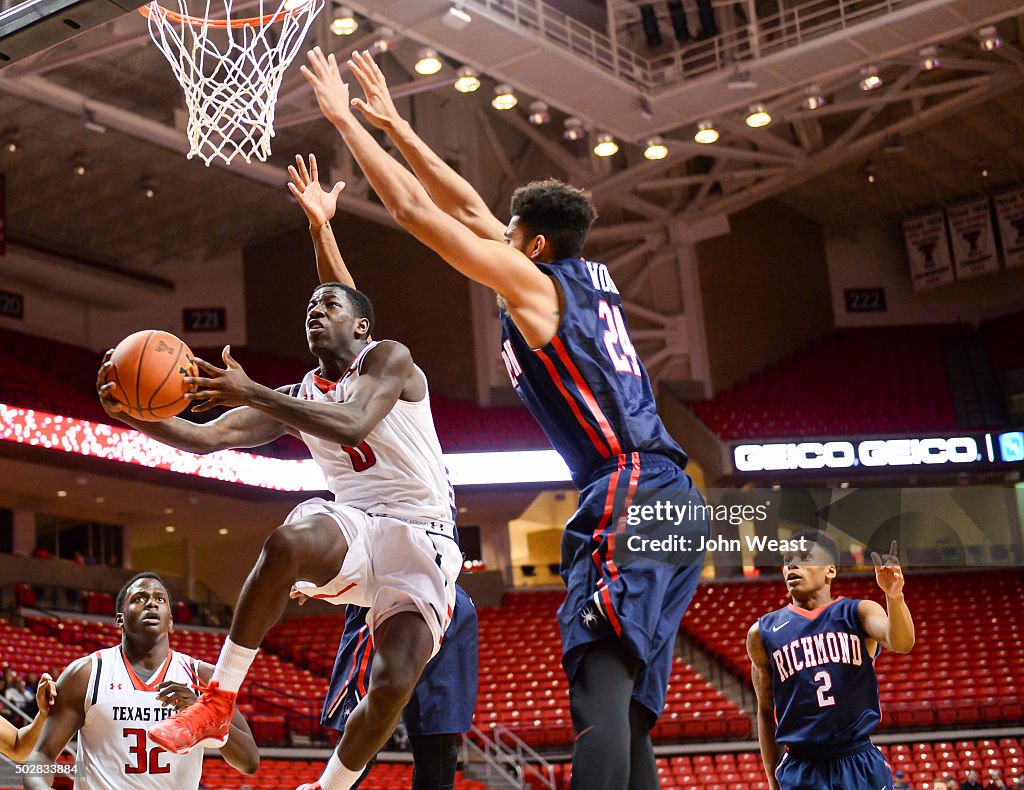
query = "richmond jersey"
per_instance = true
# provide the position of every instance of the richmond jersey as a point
(823, 679)
(114, 752)
(398, 470)
(586, 387)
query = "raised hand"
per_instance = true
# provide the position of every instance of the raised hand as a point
(229, 386)
(888, 572)
(331, 90)
(46, 693)
(378, 108)
(105, 389)
(319, 206)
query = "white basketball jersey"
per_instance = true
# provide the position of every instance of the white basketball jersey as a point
(398, 470)
(114, 751)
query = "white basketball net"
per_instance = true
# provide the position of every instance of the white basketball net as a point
(231, 76)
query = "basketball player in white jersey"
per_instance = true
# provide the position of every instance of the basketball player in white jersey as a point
(111, 696)
(386, 543)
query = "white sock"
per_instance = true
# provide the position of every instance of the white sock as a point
(233, 665)
(337, 777)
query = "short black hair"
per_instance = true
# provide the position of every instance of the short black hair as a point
(360, 301)
(119, 603)
(817, 536)
(560, 213)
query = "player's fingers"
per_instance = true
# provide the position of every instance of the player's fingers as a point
(892, 549)
(293, 174)
(876, 559)
(300, 165)
(203, 365)
(314, 174)
(229, 361)
(337, 190)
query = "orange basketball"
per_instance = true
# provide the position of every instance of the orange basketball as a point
(149, 368)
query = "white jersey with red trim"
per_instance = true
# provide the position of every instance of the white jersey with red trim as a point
(398, 470)
(114, 752)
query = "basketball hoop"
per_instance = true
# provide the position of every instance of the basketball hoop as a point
(231, 71)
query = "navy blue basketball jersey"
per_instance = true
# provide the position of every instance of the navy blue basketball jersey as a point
(823, 679)
(586, 387)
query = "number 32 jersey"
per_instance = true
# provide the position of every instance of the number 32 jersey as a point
(586, 387)
(823, 679)
(114, 752)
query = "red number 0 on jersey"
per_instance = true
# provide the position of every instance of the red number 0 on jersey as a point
(144, 763)
(362, 456)
(624, 360)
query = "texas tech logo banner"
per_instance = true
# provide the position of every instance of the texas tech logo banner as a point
(974, 244)
(1010, 215)
(928, 250)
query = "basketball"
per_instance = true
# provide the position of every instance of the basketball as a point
(149, 368)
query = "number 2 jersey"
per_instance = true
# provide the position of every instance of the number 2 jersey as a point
(114, 752)
(823, 679)
(586, 387)
(399, 470)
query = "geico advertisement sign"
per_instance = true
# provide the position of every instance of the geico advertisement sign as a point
(842, 455)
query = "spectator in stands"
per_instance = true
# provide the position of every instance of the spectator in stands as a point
(971, 782)
(901, 782)
(41, 553)
(20, 697)
(995, 780)
(17, 743)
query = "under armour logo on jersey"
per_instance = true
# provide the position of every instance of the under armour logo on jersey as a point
(118, 686)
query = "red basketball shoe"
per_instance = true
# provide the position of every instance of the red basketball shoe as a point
(206, 722)
(314, 786)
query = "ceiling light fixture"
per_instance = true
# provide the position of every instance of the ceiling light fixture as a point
(870, 79)
(871, 172)
(428, 63)
(606, 145)
(344, 22)
(758, 116)
(170, 528)
(989, 38)
(456, 18)
(11, 139)
(467, 80)
(813, 97)
(573, 129)
(706, 133)
(222, 531)
(540, 114)
(148, 187)
(385, 40)
(655, 148)
(929, 57)
(78, 164)
(504, 97)
(62, 493)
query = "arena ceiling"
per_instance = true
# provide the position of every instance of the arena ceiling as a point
(108, 99)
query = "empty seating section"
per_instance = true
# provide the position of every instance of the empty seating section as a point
(1004, 338)
(287, 774)
(32, 366)
(872, 381)
(967, 667)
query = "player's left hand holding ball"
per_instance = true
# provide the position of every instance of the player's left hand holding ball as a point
(46, 693)
(888, 572)
(228, 387)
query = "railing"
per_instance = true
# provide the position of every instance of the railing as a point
(531, 764)
(498, 763)
(789, 28)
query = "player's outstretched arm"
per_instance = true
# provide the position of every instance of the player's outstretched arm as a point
(529, 293)
(66, 718)
(453, 194)
(892, 627)
(386, 371)
(234, 429)
(18, 743)
(320, 207)
(240, 750)
(761, 675)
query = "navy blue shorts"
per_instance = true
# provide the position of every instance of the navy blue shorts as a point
(865, 769)
(444, 699)
(614, 592)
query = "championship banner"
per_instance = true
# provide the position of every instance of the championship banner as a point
(930, 265)
(1010, 214)
(974, 244)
